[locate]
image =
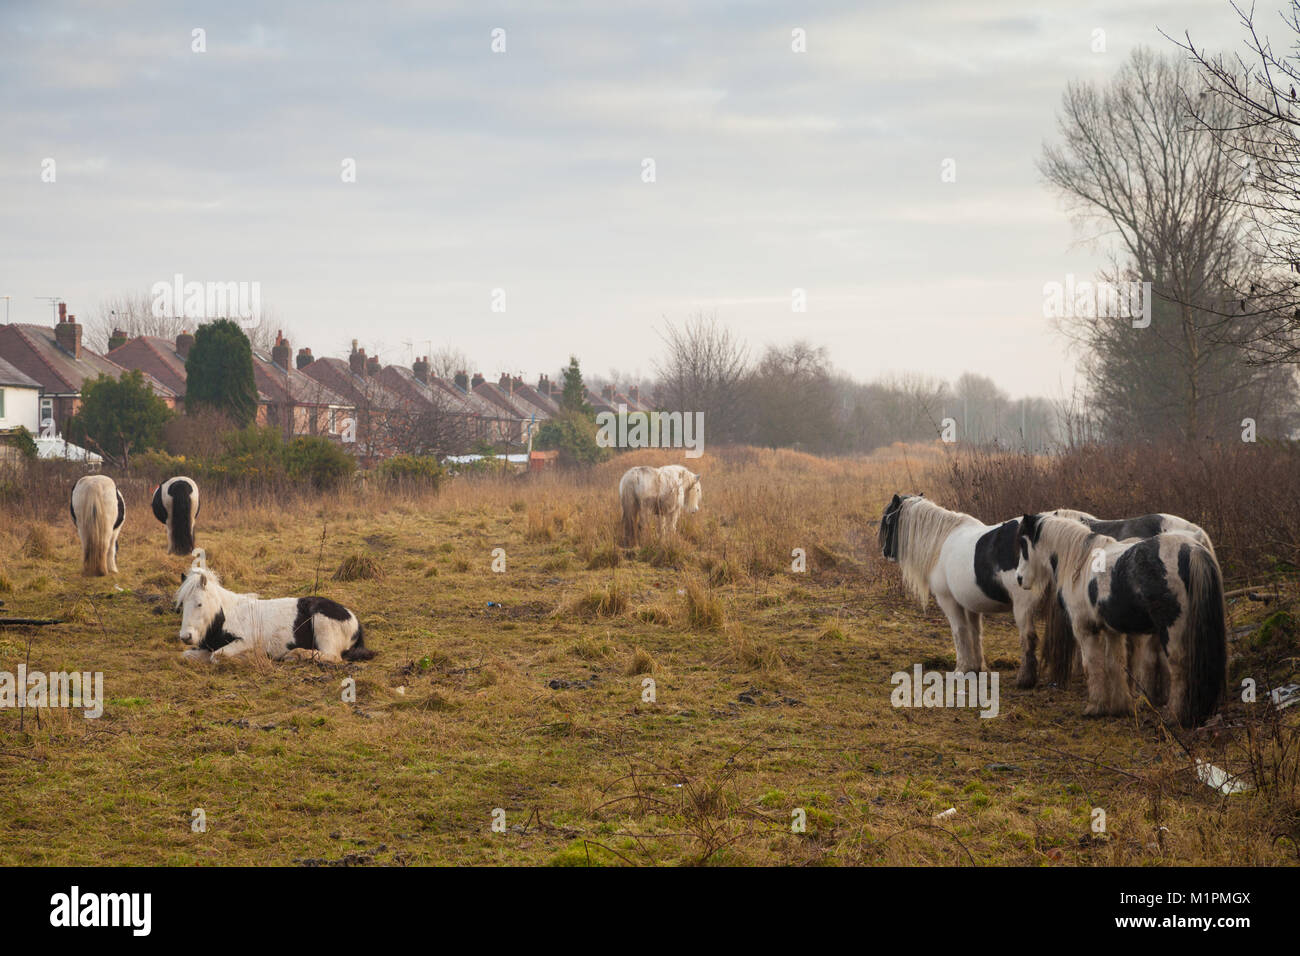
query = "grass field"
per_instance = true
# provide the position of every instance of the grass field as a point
(523, 690)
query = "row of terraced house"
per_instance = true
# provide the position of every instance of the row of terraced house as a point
(375, 410)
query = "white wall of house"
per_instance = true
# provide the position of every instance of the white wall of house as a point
(20, 406)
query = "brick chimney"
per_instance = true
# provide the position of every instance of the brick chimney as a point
(184, 342)
(607, 393)
(477, 380)
(544, 385)
(357, 360)
(281, 352)
(305, 357)
(68, 332)
(634, 393)
(504, 382)
(421, 369)
(461, 380)
(372, 365)
(117, 339)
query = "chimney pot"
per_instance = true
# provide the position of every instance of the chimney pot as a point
(421, 369)
(477, 380)
(305, 357)
(68, 333)
(282, 351)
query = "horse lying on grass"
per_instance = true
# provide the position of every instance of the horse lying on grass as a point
(665, 492)
(218, 623)
(1168, 586)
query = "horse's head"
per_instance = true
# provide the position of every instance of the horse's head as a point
(200, 603)
(1027, 568)
(887, 536)
(694, 495)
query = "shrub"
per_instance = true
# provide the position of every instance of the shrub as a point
(317, 460)
(25, 443)
(424, 470)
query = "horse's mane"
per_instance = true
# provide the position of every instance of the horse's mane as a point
(1071, 542)
(1072, 513)
(191, 582)
(923, 527)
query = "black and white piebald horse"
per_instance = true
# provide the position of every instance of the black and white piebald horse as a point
(970, 568)
(1060, 651)
(217, 623)
(98, 512)
(1168, 586)
(176, 504)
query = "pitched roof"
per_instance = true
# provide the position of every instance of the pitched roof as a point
(363, 391)
(475, 404)
(497, 397)
(153, 356)
(14, 378)
(282, 386)
(33, 350)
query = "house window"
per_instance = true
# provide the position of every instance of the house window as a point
(47, 413)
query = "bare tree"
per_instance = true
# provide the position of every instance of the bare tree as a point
(705, 370)
(447, 361)
(133, 313)
(794, 399)
(1248, 108)
(1131, 161)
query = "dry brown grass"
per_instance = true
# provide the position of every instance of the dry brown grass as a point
(522, 690)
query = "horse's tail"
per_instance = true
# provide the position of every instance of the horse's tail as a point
(627, 495)
(182, 518)
(94, 528)
(1205, 639)
(358, 651)
(1058, 640)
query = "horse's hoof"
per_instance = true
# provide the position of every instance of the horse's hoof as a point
(1026, 681)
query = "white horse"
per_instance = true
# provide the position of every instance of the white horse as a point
(176, 504)
(98, 512)
(1168, 585)
(217, 623)
(666, 492)
(969, 567)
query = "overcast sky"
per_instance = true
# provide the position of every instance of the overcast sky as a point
(522, 170)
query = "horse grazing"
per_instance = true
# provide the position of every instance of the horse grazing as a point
(218, 623)
(665, 492)
(1060, 651)
(176, 504)
(1168, 585)
(969, 567)
(98, 512)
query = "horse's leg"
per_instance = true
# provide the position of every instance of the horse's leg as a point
(975, 638)
(1023, 612)
(112, 550)
(1177, 647)
(956, 615)
(197, 654)
(233, 649)
(1119, 700)
(1148, 669)
(1094, 668)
